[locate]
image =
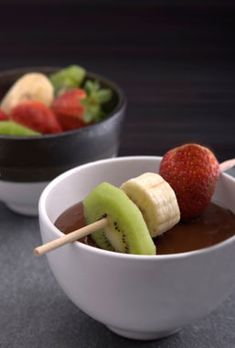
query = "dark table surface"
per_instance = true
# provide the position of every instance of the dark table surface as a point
(176, 65)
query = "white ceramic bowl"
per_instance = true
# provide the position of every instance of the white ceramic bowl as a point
(140, 297)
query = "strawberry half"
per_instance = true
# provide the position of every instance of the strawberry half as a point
(36, 116)
(69, 110)
(3, 116)
(192, 171)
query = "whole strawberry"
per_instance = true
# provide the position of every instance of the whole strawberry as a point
(69, 109)
(192, 171)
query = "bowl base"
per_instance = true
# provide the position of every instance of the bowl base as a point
(29, 210)
(144, 336)
(22, 197)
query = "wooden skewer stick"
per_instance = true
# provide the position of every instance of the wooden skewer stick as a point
(71, 237)
(226, 165)
(86, 230)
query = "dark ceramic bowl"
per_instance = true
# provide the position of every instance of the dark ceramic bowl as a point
(27, 164)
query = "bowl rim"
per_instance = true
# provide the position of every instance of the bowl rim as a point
(122, 103)
(44, 216)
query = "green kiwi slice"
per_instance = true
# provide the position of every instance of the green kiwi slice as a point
(13, 128)
(126, 231)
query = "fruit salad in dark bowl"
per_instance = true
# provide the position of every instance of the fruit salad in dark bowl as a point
(51, 120)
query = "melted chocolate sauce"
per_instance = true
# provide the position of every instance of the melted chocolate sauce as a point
(214, 226)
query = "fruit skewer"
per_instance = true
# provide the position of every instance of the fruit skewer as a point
(70, 238)
(226, 165)
(102, 223)
(128, 217)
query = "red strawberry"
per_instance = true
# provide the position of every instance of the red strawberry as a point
(69, 110)
(69, 122)
(69, 103)
(3, 116)
(192, 171)
(37, 116)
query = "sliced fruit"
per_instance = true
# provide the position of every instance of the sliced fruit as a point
(192, 171)
(70, 77)
(69, 122)
(69, 103)
(156, 200)
(32, 86)
(36, 116)
(13, 128)
(126, 231)
(3, 116)
(69, 110)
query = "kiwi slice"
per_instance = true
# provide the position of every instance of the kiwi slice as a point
(13, 128)
(126, 231)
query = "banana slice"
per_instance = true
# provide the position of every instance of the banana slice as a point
(32, 86)
(156, 200)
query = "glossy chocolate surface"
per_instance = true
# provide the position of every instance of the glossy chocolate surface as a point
(214, 226)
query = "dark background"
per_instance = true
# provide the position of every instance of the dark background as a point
(175, 62)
